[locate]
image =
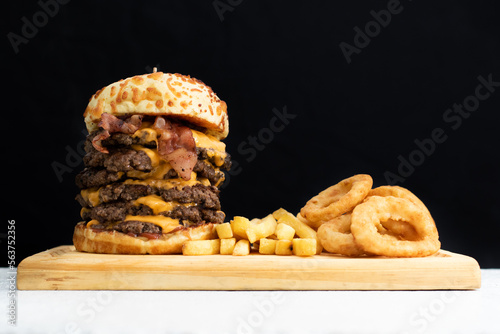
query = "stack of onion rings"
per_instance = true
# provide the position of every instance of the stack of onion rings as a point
(394, 222)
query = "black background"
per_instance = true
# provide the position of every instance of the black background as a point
(259, 56)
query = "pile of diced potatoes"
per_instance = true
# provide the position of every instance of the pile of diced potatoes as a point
(280, 233)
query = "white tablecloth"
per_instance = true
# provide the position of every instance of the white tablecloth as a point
(219, 312)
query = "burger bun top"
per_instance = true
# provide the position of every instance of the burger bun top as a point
(174, 95)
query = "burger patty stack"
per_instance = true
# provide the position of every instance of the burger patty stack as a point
(153, 166)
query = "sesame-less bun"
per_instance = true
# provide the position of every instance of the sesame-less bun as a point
(158, 93)
(113, 242)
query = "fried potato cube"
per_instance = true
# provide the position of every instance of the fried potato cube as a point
(304, 246)
(240, 225)
(224, 231)
(201, 247)
(227, 246)
(264, 228)
(283, 247)
(279, 213)
(267, 246)
(301, 229)
(284, 232)
(241, 248)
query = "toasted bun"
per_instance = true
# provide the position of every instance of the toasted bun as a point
(113, 242)
(160, 93)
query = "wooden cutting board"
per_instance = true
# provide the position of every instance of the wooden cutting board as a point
(63, 268)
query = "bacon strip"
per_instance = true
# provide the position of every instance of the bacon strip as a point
(97, 141)
(111, 124)
(114, 124)
(176, 145)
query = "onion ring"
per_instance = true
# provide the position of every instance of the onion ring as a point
(366, 216)
(337, 200)
(399, 227)
(398, 192)
(336, 237)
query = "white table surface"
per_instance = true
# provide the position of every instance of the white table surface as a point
(476, 311)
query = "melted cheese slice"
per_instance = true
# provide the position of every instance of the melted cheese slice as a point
(157, 204)
(92, 222)
(152, 154)
(207, 141)
(167, 224)
(217, 156)
(84, 211)
(147, 134)
(91, 196)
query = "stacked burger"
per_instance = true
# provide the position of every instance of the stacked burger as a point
(153, 167)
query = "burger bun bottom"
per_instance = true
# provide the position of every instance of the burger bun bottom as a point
(114, 242)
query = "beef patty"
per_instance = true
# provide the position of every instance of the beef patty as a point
(130, 226)
(205, 196)
(119, 160)
(92, 177)
(117, 211)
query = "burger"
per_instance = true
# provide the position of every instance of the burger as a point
(153, 166)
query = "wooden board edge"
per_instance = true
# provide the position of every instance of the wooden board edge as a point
(466, 278)
(63, 280)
